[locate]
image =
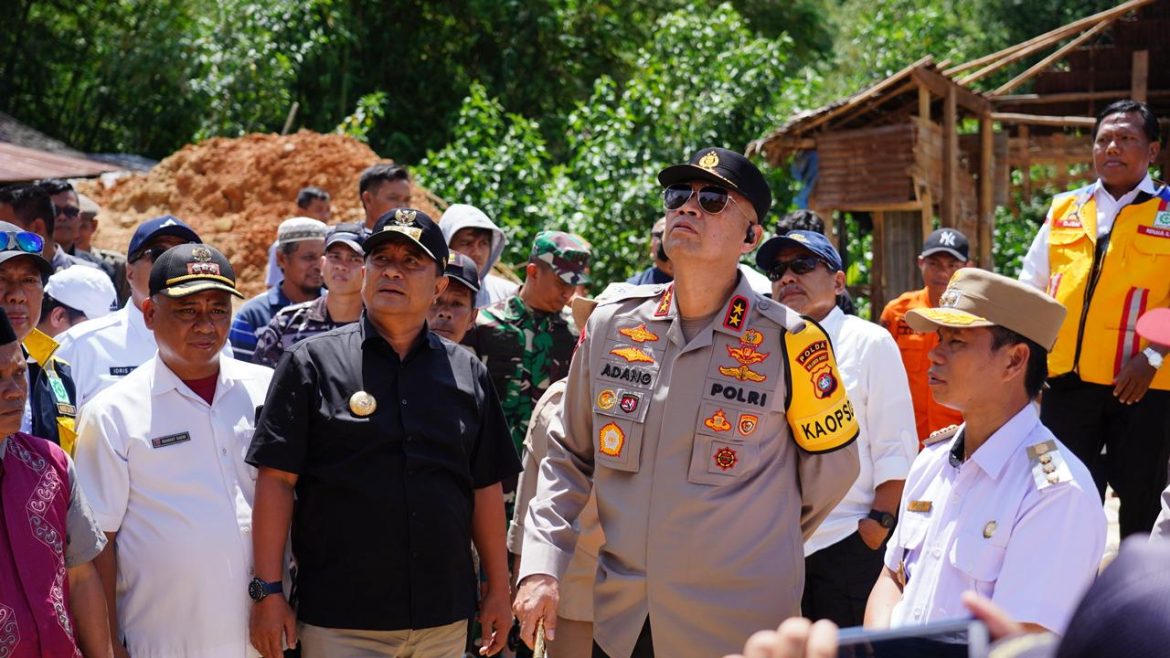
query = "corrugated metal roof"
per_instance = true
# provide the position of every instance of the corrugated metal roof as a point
(18, 164)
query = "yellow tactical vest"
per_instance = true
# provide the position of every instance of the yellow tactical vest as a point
(1106, 283)
(40, 348)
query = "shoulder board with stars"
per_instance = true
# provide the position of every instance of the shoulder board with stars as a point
(941, 435)
(623, 291)
(1048, 466)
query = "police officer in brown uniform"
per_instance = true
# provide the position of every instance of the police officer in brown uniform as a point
(712, 426)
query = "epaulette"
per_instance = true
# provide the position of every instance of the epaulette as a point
(617, 292)
(940, 435)
(1048, 465)
(787, 318)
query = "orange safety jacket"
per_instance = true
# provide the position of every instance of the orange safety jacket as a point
(1106, 283)
(929, 415)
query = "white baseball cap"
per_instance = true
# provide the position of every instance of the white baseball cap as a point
(86, 289)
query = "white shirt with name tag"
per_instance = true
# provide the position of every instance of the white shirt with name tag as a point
(104, 350)
(166, 472)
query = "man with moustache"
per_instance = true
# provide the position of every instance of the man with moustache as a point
(382, 570)
(50, 407)
(161, 456)
(454, 312)
(844, 557)
(710, 423)
(340, 304)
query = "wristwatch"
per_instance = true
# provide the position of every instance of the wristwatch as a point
(1153, 356)
(884, 519)
(259, 589)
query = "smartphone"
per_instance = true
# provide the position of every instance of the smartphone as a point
(956, 638)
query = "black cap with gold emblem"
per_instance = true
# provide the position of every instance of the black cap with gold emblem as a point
(412, 225)
(191, 268)
(727, 168)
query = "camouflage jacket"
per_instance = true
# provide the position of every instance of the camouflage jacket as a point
(525, 351)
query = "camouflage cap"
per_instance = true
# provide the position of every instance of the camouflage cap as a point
(566, 253)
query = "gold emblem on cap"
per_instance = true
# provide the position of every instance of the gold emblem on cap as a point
(362, 404)
(201, 255)
(989, 529)
(709, 161)
(404, 216)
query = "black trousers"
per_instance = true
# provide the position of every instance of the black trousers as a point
(838, 580)
(643, 648)
(1136, 438)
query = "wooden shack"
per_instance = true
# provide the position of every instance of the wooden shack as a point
(929, 143)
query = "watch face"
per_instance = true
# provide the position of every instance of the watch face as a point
(887, 521)
(256, 590)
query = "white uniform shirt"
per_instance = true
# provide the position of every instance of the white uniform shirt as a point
(1036, 271)
(875, 379)
(104, 350)
(987, 526)
(166, 471)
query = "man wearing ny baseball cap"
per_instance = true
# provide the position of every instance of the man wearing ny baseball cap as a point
(382, 400)
(997, 504)
(944, 252)
(453, 313)
(527, 340)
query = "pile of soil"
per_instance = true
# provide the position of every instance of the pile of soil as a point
(234, 193)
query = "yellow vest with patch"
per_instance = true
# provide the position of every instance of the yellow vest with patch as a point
(819, 412)
(41, 347)
(1106, 283)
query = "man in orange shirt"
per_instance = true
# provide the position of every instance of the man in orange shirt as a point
(944, 251)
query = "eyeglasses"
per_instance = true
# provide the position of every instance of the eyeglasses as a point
(152, 252)
(26, 241)
(799, 265)
(69, 211)
(712, 199)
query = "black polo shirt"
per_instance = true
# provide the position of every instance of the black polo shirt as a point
(382, 523)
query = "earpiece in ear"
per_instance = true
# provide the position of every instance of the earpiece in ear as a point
(751, 234)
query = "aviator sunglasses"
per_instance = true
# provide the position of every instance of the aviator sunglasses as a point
(712, 199)
(26, 241)
(799, 265)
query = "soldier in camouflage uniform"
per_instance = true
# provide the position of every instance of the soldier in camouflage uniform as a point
(527, 340)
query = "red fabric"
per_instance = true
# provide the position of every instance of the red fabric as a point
(34, 495)
(915, 346)
(204, 388)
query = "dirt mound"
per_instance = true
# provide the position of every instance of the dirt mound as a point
(235, 192)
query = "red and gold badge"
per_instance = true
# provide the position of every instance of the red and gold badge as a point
(725, 458)
(736, 312)
(664, 303)
(718, 422)
(747, 424)
(632, 354)
(747, 354)
(606, 399)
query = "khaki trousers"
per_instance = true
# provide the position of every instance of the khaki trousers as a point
(438, 642)
(574, 639)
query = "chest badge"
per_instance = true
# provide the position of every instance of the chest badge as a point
(632, 355)
(748, 424)
(639, 333)
(718, 422)
(629, 403)
(736, 311)
(919, 506)
(747, 355)
(725, 459)
(611, 439)
(362, 404)
(989, 529)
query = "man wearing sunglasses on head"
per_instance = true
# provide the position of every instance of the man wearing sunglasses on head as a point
(711, 424)
(105, 350)
(50, 408)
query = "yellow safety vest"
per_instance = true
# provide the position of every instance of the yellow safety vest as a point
(41, 348)
(1106, 283)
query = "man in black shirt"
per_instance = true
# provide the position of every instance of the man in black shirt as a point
(395, 446)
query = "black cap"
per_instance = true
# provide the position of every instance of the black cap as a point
(7, 334)
(464, 270)
(190, 268)
(412, 225)
(159, 226)
(19, 242)
(726, 168)
(949, 241)
(352, 235)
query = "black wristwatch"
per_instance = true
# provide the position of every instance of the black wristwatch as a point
(259, 589)
(884, 519)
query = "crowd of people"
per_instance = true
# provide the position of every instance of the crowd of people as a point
(395, 450)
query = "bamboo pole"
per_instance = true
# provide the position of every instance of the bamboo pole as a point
(1056, 55)
(1043, 120)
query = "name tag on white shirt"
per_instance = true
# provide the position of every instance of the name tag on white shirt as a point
(170, 440)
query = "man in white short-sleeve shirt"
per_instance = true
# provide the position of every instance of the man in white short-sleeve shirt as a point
(997, 505)
(104, 350)
(161, 456)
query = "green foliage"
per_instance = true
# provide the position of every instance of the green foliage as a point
(370, 108)
(702, 79)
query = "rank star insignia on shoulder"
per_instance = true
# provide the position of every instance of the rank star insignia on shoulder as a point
(1048, 466)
